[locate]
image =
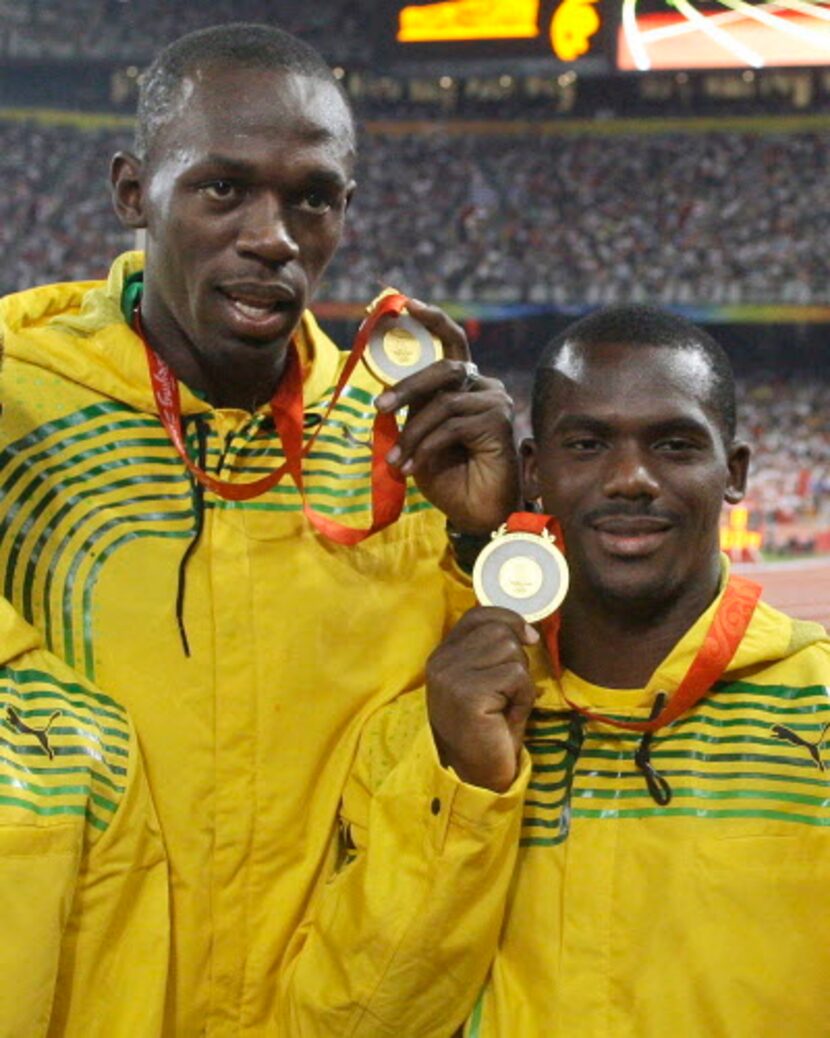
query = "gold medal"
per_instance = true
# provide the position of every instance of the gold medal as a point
(525, 572)
(400, 346)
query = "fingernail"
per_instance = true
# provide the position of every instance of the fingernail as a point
(531, 635)
(385, 402)
(417, 302)
(408, 468)
(394, 456)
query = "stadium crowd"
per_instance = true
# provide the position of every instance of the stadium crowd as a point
(56, 223)
(129, 31)
(788, 423)
(708, 218)
(671, 218)
(560, 220)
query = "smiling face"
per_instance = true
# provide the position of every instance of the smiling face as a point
(631, 458)
(243, 196)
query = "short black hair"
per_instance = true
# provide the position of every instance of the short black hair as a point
(636, 325)
(234, 44)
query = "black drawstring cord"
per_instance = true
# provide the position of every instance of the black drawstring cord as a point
(657, 785)
(199, 515)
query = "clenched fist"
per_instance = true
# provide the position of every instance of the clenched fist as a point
(480, 695)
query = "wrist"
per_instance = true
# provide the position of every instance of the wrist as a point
(497, 776)
(466, 547)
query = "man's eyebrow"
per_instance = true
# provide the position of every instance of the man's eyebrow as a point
(326, 177)
(679, 425)
(581, 423)
(226, 163)
(317, 175)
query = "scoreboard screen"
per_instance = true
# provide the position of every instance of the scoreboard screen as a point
(751, 34)
(567, 30)
(627, 35)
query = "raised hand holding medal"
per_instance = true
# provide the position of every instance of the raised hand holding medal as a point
(478, 713)
(457, 440)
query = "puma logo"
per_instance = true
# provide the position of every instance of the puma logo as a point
(813, 748)
(14, 720)
(351, 439)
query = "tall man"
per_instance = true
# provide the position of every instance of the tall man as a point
(637, 841)
(246, 644)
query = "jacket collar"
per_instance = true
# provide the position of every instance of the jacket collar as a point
(771, 636)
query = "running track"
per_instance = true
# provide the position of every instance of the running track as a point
(800, 588)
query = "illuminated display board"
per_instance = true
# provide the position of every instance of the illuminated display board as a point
(685, 34)
(566, 29)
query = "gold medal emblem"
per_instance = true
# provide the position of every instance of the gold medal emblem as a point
(521, 571)
(399, 346)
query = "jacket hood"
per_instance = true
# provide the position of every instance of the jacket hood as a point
(77, 330)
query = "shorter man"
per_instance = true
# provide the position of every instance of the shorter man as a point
(636, 843)
(83, 877)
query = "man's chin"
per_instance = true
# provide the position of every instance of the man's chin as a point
(233, 347)
(635, 585)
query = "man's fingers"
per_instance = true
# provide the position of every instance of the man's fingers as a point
(480, 694)
(494, 618)
(441, 377)
(461, 418)
(468, 432)
(443, 327)
(513, 681)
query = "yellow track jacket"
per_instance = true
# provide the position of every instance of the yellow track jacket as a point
(83, 882)
(597, 911)
(292, 640)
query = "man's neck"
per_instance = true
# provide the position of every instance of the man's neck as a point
(244, 382)
(617, 644)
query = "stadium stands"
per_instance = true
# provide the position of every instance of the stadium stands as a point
(698, 218)
(117, 29)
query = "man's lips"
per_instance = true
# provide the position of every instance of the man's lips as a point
(631, 536)
(258, 310)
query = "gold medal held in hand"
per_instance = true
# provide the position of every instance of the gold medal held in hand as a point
(399, 346)
(522, 571)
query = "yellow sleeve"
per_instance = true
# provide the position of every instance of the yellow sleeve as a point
(458, 590)
(112, 973)
(401, 937)
(38, 866)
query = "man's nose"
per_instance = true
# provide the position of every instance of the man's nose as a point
(266, 232)
(629, 474)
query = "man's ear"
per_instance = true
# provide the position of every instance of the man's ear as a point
(128, 189)
(531, 490)
(738, 462)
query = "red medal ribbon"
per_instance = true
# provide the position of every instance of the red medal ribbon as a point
(388, 486)
(535, 522)
(728, 627)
